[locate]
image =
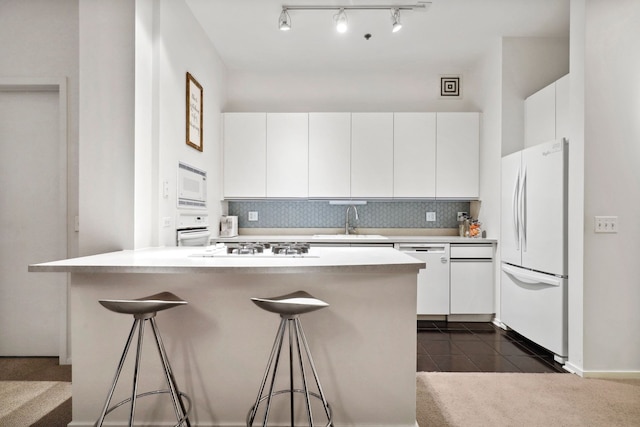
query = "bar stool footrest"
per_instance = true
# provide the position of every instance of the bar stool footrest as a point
(254, 408)
(153, 392)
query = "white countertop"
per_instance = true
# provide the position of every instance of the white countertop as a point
(182, 260)
(351, 238)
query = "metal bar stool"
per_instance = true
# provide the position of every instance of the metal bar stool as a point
(143, 310)
(289, 307)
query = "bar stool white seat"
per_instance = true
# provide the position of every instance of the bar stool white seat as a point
(290, 307)
(144, 310)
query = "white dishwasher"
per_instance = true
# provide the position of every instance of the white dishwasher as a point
(433, 281)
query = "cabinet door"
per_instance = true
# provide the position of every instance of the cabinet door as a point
(472, 287)
(372, 155)
(414, 155)
(540, 116)
(562, 107)
(287, 154)
(457, 155)
(244, 163)
(329, 154)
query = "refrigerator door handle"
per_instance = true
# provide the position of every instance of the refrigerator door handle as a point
(515, 213)
(531, 277)
(523, 209)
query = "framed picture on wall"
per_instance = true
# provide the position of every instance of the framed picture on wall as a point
(194, 113)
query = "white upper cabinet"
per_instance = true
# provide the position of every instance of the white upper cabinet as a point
(351, 155)
(371, 154)
(287, 154)
(329, 155)
(414, 155)
(546, 113)
(457, 155)
(244, 159)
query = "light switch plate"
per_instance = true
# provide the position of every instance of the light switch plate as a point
(606, 224)
(253, 216)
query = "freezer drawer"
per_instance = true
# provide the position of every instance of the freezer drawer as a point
(472, 286)
(535, 305)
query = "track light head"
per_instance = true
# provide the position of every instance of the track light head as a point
(284, 22)
(341, 21)
(395, 20)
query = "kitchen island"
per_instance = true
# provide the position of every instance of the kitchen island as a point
(364, 343)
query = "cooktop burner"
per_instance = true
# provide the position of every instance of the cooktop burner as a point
(259, 250)
(290, 248)
(246, 248)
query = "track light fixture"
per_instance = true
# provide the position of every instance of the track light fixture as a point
(284, 22)
(341, 21)
(395, 20)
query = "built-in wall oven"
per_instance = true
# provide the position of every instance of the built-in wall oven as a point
(193, 230)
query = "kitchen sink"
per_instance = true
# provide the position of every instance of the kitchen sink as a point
(349, 236)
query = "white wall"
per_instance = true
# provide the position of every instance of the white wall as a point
(344, 91)
(107, 119)
(133, 119)
(528, 65)
(182, 46)
(576, 189)
(40, 39)
(612, 183)
(490, 77)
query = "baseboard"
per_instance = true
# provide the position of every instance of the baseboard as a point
(571, 368)
(613, 375)
(469, 317)
(499, 324)
(605, 375)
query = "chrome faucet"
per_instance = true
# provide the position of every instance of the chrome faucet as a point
(346, 222)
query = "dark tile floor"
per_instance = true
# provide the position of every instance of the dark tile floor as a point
(479, 347)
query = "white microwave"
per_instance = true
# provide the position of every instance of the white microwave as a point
(192, 187)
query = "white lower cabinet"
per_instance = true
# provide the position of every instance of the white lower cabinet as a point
(458, 278)
(472, 279)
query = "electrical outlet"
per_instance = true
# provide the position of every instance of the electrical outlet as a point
(606, 224)
(431, 216)
(461, 215)
(253, 216)
(166, 221)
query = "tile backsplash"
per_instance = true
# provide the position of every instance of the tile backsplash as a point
(321, 214)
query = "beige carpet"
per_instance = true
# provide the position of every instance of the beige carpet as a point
(22, 403)
(512, 399)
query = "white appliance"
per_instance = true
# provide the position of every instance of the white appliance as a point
(534, 245)
(192, 187)
(228, 226)
(192, 230)
(433, 281)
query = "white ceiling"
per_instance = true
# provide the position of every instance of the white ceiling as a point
(451, 34)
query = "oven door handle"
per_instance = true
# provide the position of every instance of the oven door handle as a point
(189, 235)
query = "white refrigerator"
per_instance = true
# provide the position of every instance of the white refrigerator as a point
(533, 244)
